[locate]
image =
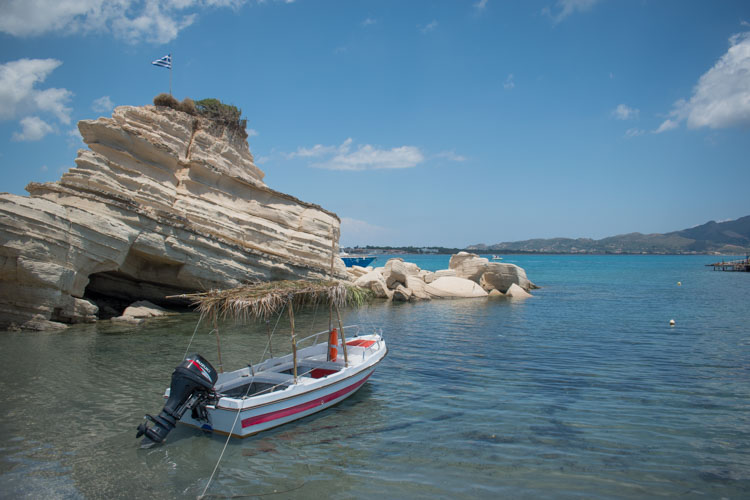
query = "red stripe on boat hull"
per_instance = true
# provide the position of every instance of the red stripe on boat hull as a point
(267, 417)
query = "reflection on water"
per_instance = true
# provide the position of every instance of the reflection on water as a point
(581, 391)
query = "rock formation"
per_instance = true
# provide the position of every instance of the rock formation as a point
(469, 276)
(161, 203)
(490, 275)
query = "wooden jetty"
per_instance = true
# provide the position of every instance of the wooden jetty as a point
(742, 265)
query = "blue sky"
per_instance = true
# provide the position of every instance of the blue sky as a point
(418, 122)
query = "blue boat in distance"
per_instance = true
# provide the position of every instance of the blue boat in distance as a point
(357, 259)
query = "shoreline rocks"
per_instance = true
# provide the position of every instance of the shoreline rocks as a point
(468, 276)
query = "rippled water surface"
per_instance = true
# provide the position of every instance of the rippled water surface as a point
(581, 391)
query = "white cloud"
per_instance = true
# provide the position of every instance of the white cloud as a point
(451, 156)
(666, 125)
(564, 8)
(369, 21)
(155, 25)
(155, 21)
(634, 132)
(53, 101)
(430, 27)
(17, 92)
(721, 98)
(34, 128)
(624, 112)
(19, 97)
(365, 157)
(319, 150)
(251, 132)
(481, 4)
(509, 83)
(103, 105)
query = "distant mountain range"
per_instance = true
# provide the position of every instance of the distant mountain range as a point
(730, 237)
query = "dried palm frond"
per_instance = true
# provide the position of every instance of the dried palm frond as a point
(262, 300)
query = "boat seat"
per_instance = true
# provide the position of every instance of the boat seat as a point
(273, 377)
(307, 367)
(325, 365)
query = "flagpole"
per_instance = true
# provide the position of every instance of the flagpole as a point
(170, 74)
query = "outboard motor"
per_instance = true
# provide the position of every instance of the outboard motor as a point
(192, 383)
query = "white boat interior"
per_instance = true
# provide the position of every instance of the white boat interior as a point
(277, 374)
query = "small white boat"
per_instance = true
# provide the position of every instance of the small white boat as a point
(496, 257)
(276, 391)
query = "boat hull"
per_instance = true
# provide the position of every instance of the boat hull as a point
(357, 261)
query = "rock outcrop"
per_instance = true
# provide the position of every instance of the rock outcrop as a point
(516, 292)
(489, 275)
(470, 276)
(160, 203)
(452, 287)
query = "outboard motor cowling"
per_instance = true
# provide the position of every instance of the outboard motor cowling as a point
(192, 383)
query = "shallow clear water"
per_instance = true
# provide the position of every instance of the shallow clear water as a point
(581, 391)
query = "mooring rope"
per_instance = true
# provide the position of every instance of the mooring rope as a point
(191, 338)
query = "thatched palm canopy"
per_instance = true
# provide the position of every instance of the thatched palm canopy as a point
(264, 300)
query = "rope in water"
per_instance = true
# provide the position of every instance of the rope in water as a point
(191, 338)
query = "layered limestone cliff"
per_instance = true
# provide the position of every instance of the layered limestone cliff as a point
(161, 203)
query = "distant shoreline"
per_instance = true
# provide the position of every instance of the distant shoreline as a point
(401, 251)
(712, 238)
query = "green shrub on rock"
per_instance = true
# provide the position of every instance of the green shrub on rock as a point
(222, 114)
(225, 114)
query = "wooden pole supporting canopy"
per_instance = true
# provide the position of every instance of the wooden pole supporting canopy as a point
(343, 336)
(218, 343)
(294, 340)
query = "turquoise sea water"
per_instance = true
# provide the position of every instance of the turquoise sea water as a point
(583, 391)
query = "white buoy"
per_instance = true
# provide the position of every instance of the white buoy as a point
(671, 322)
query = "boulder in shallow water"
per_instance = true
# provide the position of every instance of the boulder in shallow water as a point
(374, 281)
(444, 273)
(426, 276)
(417, 287)
(357, 271)
(468, 265)
(145, 309)
(395, 273)
(454, 287)
(501, 276)
(516, 292)
(402, 294)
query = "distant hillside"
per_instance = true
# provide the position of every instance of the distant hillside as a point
(731, 237)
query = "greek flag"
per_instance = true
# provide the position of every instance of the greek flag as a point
(164, 62)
